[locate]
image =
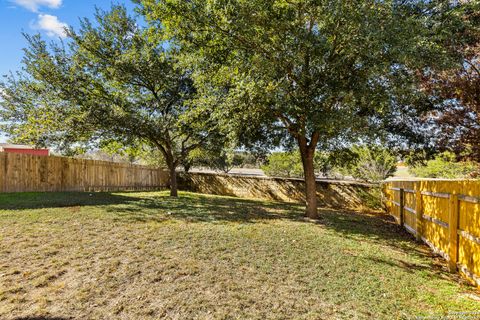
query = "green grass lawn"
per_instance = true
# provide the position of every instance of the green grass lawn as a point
(148, 256)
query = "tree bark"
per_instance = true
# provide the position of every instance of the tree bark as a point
(307, 151)
(173, 181)
(171, 164)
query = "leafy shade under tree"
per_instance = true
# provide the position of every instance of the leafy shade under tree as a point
(320, 72)
(110, 82)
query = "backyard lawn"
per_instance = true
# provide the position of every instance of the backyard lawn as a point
(149, 256)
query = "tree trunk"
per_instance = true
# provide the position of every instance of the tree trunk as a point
(173, 180)
(308, 153)
(171, 164)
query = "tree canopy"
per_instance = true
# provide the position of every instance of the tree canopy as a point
(457, 89)
(321, 73)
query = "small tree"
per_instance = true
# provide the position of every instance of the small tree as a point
(220, 160)
(283, 164)
(131, 152)
(372, 164)
(227, 160)
(330, 163)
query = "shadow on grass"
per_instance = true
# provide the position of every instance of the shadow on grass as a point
(197, 208)
(203, 208)
(191, 207)
(39, 200)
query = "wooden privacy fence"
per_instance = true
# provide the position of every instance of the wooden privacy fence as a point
(28, 173)
(443, 214)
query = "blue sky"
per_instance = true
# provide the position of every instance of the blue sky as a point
(46, 17)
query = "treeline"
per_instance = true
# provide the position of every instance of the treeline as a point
(186, 80)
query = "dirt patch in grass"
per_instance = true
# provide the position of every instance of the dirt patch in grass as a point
(148, 256)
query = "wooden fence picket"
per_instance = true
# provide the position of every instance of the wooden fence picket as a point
(28, 173)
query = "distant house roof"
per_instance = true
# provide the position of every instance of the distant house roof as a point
(23, 149)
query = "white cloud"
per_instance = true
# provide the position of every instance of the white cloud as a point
(51, 25)
(33, 5)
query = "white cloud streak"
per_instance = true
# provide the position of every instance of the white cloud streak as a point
(34, 5)
(51, 25)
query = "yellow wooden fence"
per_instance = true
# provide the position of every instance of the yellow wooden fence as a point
(445, 214)
(24, 173)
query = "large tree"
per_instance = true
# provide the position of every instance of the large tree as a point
(323, 72)
(457, 89)
(110, 81)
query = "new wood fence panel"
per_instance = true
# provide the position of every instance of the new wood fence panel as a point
(443, 213)
(409, 213)
(469, 217)
(28, 173)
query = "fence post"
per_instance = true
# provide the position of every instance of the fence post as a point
(3, 172)
(383, 197)
(402, 205)
(419, 212)
(453, 232)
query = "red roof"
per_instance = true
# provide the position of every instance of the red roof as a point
(35, 152)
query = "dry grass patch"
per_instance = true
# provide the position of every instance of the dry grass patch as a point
(148, 256)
